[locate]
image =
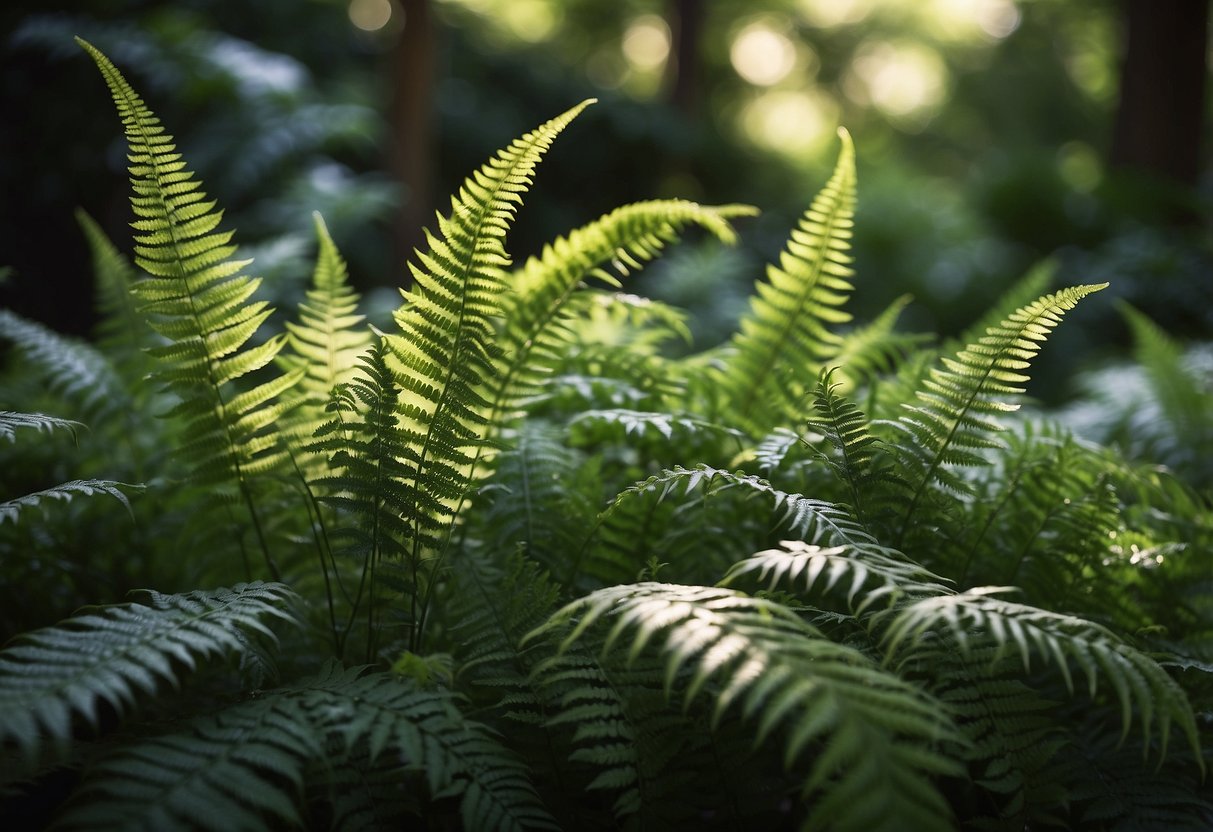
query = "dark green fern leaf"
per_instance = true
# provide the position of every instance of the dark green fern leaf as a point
(952, 422)
(871, 739)
(65, 492)
(122, 330)
(117, 653)
(784, 338)
(11, 421)
(977, 617)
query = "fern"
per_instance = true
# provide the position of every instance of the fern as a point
(11, 421)
(122, 332)
(448, 346)
(784, 336)
(975, 616)
(537, 316)
(952, 420)
(115, 654)
(873, 737)
(10, 509)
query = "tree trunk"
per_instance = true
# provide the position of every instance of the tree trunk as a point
(1160, 117)
(682, 81)
(412, 126)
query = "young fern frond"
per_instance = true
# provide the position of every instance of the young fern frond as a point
(122, 330)
(784, 338)
(537, 315)
(448, 346)
(197, 298)
(976, 617)
(328, 338)
(952, 421)
(115, 654)
(871, 738)
(874, 348)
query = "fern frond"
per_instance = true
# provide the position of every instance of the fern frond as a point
(448, 346)
(10, 509)
(952, 422)
(537, 316)
(977, 617)
(871, 737)
(684, 431)
(327, 340)
(72, 369)
(875, 348)
(197, 297)
(116, 653)
(802, 567)
(11, 421)
(122, 330)
(785, 337)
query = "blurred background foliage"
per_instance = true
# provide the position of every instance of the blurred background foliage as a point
(990, 134)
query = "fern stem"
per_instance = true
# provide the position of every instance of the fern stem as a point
(320, 538)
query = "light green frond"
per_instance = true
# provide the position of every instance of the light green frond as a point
(869, 740)
(786, 335)
(196, 296)
(330, 335)
(875, 348)
(954, 419)
(448, 347)
(10, 509)
(976, 617)
(537, 314)
(118, 654)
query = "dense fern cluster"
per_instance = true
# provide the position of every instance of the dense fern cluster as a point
(510, 565)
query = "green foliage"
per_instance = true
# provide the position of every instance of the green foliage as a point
(598, 583)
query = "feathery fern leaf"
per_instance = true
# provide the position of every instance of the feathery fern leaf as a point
(10, 509)
(874, 348)
(122, 330)
(449, 346)
(871, 736)
(72, 369)
(537, 315)
(327, 340)
(784, 337)
(115, 653)
(976, 616)
(11, 421)
(802, 567)
(196, 296)
(953, 420)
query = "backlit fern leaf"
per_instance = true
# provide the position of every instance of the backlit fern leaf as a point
(115, 654)
(976, 617)
(785, 337)
(536, 315)
(448, 348)
(327, 340)
(952, 421)
(870, 738)
(801, 567)
(197, 298)
(874, 348)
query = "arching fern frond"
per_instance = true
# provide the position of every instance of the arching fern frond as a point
(448, 346)
(72, 369)
(872, 740)
(10, 509)
(952, 421)
(785, 337)
(876, 347)
(801, 568)
(11, 422)
(114, 654)
(977, 617)
(122, 330)
(537, 314)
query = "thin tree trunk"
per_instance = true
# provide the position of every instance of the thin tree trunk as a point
(412, 126)
(682, 73)
(1160, 117)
